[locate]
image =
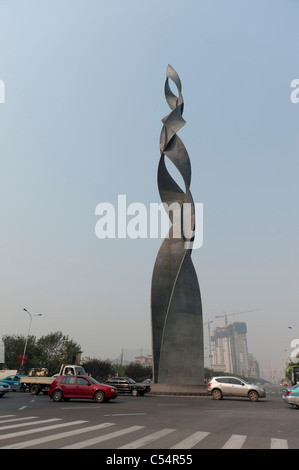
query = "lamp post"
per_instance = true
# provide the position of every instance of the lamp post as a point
(31, 318)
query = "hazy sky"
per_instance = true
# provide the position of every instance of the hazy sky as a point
(81, 122)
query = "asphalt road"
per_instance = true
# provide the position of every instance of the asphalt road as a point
(149, 422)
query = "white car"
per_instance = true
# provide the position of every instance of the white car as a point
(4, 388)
(226, 386)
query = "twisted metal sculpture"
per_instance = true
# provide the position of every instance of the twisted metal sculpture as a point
(177, 334)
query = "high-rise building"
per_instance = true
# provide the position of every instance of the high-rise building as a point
(221, 350)
(240, 351)
(254, 368)
(229, 349)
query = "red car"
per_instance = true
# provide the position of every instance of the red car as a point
(65, 387)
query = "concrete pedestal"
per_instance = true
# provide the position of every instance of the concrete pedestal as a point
(179, 389)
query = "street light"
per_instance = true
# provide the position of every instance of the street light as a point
(31, 318)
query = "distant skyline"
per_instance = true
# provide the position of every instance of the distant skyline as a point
(80, 120)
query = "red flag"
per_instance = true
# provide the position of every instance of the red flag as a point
(21, 358)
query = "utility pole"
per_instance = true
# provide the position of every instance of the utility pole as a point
(31, 318)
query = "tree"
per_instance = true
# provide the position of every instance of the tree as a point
(14, 347)
(56, 349)
(49, 351)
(99, 370)
(138, 372)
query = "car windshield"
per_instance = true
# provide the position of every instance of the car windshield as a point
(94, 381)
(80, 371)
(294, 387)
(131, 381)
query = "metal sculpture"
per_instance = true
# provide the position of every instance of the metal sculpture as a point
(177, 330)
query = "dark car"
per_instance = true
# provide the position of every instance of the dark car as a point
(79, 386)
(128, 385)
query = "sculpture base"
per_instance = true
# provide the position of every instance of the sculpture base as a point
(178, 389)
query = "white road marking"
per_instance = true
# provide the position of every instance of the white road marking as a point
(279, 444)
(105, 437)
(236, 441)
(143, 441)
(16, 419)
(62, 435)
(42, 429)
(191, 441)
(33, 423)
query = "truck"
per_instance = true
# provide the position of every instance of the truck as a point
(37, 381)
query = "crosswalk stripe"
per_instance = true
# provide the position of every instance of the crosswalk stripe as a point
(279, 443)
(33, 423)
(143, 441)
(105, 437)
(42, 429)
(236, 441)
(42, 440)
(191, 440)
(16, 419)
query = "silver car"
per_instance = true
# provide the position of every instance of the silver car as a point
(4, 388)
(220, 387)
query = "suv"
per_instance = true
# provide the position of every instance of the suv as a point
(128, 385)
(220, 387)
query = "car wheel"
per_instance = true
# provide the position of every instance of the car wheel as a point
(253, 396)
(57, 395)
(216, 394)
(99, 396)
(34, 389)
(141, 393)
(134, 392)
(1, 395)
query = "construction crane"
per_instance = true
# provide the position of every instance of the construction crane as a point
(225, 315)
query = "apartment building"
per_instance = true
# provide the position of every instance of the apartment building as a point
(229, 349)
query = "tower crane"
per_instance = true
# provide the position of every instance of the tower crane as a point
(225, 315)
